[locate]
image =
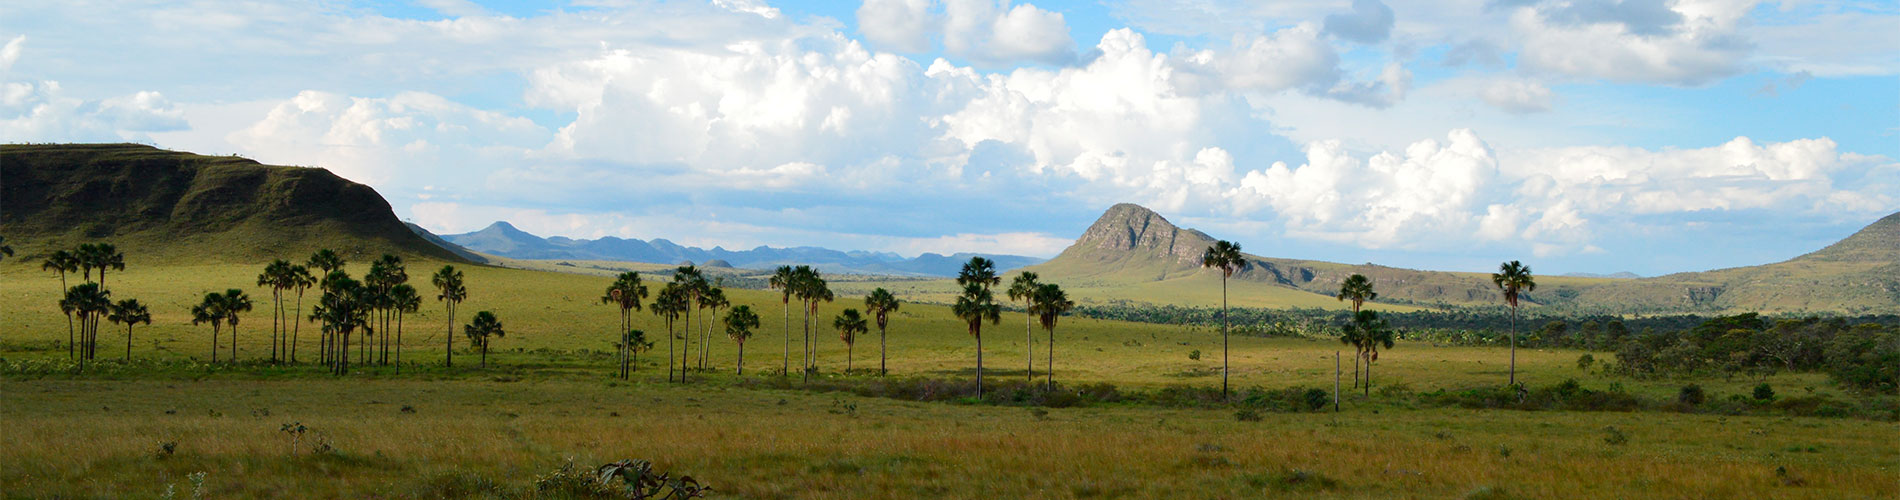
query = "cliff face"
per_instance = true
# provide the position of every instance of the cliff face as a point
(147, 199)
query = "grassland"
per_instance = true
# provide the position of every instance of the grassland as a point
(549, 398)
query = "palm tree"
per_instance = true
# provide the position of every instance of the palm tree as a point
(1350, 334)
(235, 302)
(64, 262)
(448, 282)
(812, 289)
(849, 325)
(975, 305)
(480, 329)
(90, 303)
(692, 285)
(1224, 255)
(785, 280)
(101, 256)
(881, 304)
(210, 310)
(715, 299)
(739, 324)
(627, 293)
(1375, 332)
(384, 275)
(635, 341)
(668, 305)
(1357, 289)
(404, 299)
(1023, 289)
(1048, 304)
(1513, 278)
(343, 309)
(276, 276)
(326, 260)
(129, 312)
(299, 278)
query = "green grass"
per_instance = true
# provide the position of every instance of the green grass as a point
(548, 397)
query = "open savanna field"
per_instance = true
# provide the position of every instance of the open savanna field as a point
(548, 396)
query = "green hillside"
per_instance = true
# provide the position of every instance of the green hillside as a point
(1134, 254)
(167, 206)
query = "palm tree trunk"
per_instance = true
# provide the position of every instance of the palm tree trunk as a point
(787, 315)
(669, 350)
(128, 341)
(1051, 366)
(234, 335)
(295, 325)
(1368, 373)
(1223, 337)
(484, 353)
(979, 364)
(398, 341)
(71, 350)
(1514, 345)
(214, 341)
(848, 347)
(806, 367)
(1029, 346)
(741, 358)
(1355, 366)
(882, 358)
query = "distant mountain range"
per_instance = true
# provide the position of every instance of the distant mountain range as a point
(1624, 275)
(504, 239)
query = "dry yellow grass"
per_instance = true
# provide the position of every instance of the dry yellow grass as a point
(81, 438)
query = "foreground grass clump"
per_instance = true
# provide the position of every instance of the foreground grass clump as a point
(481, 438)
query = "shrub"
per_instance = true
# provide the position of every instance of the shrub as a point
(1317, 399)
(1247, 415)
(1195, 355)
(1615, 436)
(1764, 393)
(1584, 362)
(1691, 395)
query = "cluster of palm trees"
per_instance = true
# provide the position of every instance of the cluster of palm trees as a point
(90, 302)
(1043, 303)
(1366, 332)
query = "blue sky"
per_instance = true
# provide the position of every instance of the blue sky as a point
(1652, 136)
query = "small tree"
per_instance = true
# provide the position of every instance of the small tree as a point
(129, 312)
(881, 304)
(235, 302)
(210, 310)
(636, 342)
(480, 329)
(1048, 304)
(849, 325)
(739, 324)
(448, 284)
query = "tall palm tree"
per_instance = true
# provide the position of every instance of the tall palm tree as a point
(692, 284)
(384, 275)
(1513, 278)
(849, 325)
(626, 293)
(1376, 333)
(90, 303)
(714, 300)
(1357, 289)
(812, 289)
(64, 262)
(276, 277)
(881, 304)
(480, 329)
(448, 284)
(1224, 255)
(129, 312)
(1023, 289)
(343, 309)
(784, 280)
(299, 278)
(975, 305)
(668, 305)
(235, 302)
(1048, 304)
(1351, 334)
(739, 324)
(404, 299)
(105, 256)
(210, 310)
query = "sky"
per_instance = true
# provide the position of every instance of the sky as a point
(1650, 136)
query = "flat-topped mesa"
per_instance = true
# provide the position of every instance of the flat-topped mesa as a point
(1130, 227)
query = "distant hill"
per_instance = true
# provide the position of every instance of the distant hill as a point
(504, 239)
(1132, 253)
(175, 206)
(1621, 275)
